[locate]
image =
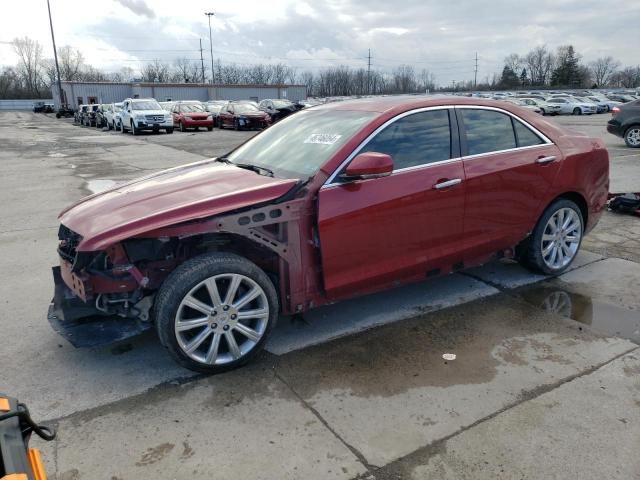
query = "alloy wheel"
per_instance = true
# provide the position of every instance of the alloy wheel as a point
(633, 136)
(561, 238)
(221, 319)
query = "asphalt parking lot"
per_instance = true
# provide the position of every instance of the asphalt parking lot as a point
(545, 384)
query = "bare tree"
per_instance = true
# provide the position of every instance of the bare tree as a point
(514, 62)
(155, 71)
(71, 62)
(404, 78)
(539, 62)
(29, 53)
(602, 69)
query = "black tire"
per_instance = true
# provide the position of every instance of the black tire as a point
(169, 130)
(122, 129)
(577, 111)
(209, 129)
(542, 112)
(632, 143)
(220, 126)
(532, 256)
(134, 130)
(182, 129)
(236, 124)
(187, 276)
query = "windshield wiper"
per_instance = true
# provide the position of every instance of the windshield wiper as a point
(254, 168)
(247, 166)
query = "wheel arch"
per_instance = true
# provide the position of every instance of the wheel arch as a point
(576, 198)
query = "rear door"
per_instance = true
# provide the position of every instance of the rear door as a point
(377, 232)
(510, 168)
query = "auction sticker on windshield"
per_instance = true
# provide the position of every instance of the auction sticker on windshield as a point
(323, 138)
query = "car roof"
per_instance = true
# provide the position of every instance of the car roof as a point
(403, 103)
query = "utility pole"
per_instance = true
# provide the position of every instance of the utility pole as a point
(210, 14)
(202, 60)
(475, 73)
(369, 73)
(55, 56)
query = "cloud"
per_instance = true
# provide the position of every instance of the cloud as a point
(139, 7)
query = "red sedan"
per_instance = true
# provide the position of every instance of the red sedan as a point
(333, 202)
(241, 116)
(191, 115)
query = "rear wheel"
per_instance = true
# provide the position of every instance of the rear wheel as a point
(182, 129)
(556, 239)
(215, 312)
(632, 136)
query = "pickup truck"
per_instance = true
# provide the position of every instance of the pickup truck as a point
(333, 202)
(140, 114)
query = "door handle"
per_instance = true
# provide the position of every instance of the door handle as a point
(545, 160)
(447, 183)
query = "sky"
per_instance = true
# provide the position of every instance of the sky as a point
(441, 36)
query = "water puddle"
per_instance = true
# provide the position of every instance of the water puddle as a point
(97, 186)
(602, 317)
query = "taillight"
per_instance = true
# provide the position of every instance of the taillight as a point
(615, 111)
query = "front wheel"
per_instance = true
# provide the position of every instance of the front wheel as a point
(182, 129)
(556, 239)
(134, 130)
(169, 130)
(577, 111)
(632, 136)
(209, 129)
(542, 112)
(122, 129)
(215, 312)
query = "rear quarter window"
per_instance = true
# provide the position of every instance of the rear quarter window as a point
(487, 131)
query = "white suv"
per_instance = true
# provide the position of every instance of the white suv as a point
(144, 114)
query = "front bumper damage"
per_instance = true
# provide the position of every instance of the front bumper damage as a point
(82, 324)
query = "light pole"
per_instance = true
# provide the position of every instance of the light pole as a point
(55, 56)
(210, 14)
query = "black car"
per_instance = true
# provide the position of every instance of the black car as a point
(625, 123)
(277, 109)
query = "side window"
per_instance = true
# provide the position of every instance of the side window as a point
(487, 131)
(416, 139)
(526, 137)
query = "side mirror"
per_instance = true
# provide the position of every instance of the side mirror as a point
(369, 165)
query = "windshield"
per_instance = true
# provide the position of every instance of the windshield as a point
(214, 108)
(299, 145)
(282, 103)
(191, 107)
(146, 105)
(245, 108)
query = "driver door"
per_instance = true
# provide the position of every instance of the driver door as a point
(378, 232)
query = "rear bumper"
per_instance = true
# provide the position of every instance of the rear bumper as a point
(82, 324)
(615, 128)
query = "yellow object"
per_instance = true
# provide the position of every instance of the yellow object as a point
(15, 476)
(4, 407)
(35, 460)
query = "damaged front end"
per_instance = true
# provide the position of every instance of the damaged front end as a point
(99, 297)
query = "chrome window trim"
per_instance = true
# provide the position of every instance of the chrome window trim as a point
(546, 140)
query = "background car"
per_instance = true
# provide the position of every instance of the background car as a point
(113, 116)
(277, 109)
(525, 103)
(602, 100)
(625, 123)
(538, 102)
(89, 115)
(600, 107)
(101, 115)
(79, 113)
(191, 115)
(622, 98)
(140, 114)
(569, 106)
(242, 115)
